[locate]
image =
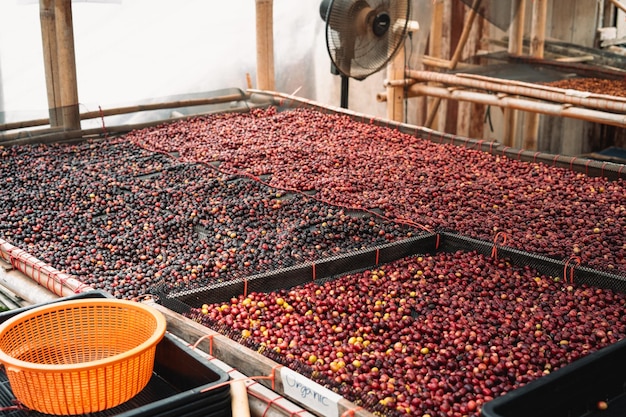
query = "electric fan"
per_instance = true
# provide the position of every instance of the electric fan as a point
(363, 35)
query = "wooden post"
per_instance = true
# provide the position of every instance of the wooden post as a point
(265, 78)
(516, 47)
(51, 64)
(537, 43)
(66, 64)
(438, 48)
(456, 56)
(395, 94)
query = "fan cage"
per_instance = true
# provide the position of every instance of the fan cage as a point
(355, 50)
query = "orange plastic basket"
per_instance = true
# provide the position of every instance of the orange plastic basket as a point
(80, 356)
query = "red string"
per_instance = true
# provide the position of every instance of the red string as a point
(245, 288)
(313, 272)
(571, 163)
(602, 169)
(273, 375)
(535, 156)
(494, 251)
(556, 157)
(572, 258)
(206, 336)
(104, 128)
(351, 412)
(270, 403)
(377, 255)
(437, 241)
(17, 406)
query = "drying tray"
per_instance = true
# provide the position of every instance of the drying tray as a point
(182, 301)
(183, 384)
(594, 168)
(571, 391)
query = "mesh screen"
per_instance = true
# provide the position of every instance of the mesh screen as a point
(331, 268)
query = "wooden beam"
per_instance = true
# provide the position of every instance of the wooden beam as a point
(515, 47)
(265, 77)
(66, 64)
(395, 94)
(469, 22)
(537, 46)
(51, 63)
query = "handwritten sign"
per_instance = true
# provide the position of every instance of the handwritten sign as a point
(310, 394)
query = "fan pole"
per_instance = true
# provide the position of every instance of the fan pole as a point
(344, 91)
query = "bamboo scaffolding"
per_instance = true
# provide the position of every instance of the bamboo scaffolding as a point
(537, 46)
(558, 95)
(265, 44)
(45, 136)
(50, 58)
(66, 64)
(432, 112)
(509, 102)
(131, 109)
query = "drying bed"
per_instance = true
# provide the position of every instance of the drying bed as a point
(440, 334)
(120, 218)
(542, 208)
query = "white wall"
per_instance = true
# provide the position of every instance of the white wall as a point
(136, 50)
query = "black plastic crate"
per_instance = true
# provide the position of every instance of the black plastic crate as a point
(183, 384)
(571, 391)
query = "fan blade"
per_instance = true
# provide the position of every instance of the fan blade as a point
(362, 36)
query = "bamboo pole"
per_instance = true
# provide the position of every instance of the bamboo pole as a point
(132, 109)
(24, 287)
(510, 102)
(67, 64)
(438, 48)
(619, 5)
(515, 47)
(239, 399)
(55, 281)
(396, 71)
(51, 63)
(559, 95)
(456, 56)
(432, 61)
(265, 78)
(537, 46)
(24, 138)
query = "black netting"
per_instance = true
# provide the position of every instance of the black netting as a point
(334, 267)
